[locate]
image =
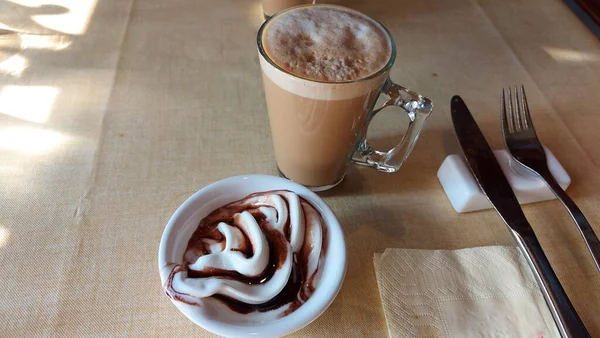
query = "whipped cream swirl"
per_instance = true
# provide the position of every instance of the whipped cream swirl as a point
(260, 253)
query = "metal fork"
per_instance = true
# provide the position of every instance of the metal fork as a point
(525, 147)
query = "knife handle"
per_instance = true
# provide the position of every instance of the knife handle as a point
(567, 320)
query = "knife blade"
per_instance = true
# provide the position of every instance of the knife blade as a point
(495, 186)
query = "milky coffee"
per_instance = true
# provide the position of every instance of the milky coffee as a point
(322, 74)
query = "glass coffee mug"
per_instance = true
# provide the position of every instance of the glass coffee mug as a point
(320, 127)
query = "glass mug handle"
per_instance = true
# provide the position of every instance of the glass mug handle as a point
(418, 109)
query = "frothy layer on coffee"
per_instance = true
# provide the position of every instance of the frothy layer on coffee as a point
(326, 43)
(259, 254)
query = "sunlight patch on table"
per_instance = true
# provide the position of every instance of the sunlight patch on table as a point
(52, 42)
(13, 41)
(4, 26)
(14, 65)
(570, 55)
(29, 140)
(29, 103)
(10, 169)
(74, 20)
(3, 236)
(255, 13)
(28, 3)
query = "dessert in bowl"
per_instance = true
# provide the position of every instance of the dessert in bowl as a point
(252, 255)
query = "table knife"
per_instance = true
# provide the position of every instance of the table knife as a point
(493, 183)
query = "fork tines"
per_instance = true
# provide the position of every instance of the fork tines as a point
(518, 118)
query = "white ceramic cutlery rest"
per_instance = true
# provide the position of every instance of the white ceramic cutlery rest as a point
(466, 196)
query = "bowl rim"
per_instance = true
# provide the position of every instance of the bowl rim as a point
(336, 262)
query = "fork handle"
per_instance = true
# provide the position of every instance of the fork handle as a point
(586, 230)
(567, 320)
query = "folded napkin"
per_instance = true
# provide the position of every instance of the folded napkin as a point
(476, 292)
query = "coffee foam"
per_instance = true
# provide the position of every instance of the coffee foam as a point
(320, 90)
(327, 43)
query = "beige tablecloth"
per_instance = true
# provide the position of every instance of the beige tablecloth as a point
(112, 112)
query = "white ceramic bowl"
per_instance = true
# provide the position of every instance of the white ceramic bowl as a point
(185, 220)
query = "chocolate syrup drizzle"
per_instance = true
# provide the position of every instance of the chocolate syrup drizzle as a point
(297, 290)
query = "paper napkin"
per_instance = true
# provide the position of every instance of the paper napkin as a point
(475, 292)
